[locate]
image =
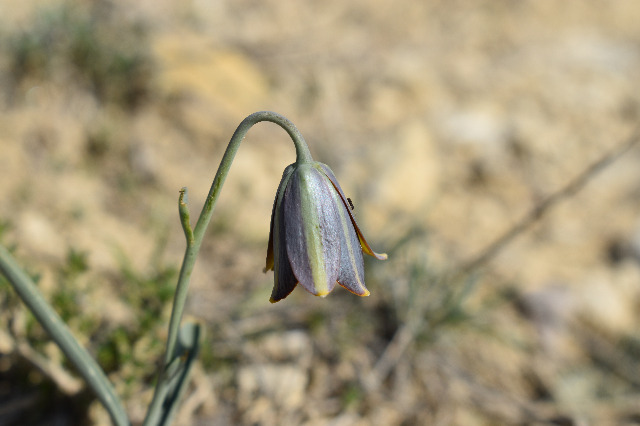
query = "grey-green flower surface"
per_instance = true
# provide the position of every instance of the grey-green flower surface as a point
(314, 239)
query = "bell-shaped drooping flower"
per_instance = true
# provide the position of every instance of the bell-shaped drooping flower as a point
(314, 239)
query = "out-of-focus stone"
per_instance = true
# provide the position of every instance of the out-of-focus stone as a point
(6, 345)
(36, 232)
(410, 171)
(284, 385)
(290, 346)
(550, 309)
(606, 306)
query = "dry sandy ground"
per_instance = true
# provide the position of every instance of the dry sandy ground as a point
(446, 123)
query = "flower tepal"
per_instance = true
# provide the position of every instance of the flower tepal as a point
(314, 239)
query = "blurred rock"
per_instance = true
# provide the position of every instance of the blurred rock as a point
(293, 346)
(551, 309)
(605, 304)
(6, 346)
(283, 385)
(482, 129)
(38, 233)
(409, 177)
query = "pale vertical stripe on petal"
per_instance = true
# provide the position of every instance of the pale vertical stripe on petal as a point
(312, 239)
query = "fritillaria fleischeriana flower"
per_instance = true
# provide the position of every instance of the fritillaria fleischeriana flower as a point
(314, 239)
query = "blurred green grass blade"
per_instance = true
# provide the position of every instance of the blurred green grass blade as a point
(175, 377)
(187, 352)
(60, 333)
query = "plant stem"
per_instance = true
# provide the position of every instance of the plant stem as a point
(60, 333)
(194, 239)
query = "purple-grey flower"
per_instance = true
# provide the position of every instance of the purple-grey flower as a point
(314, 239)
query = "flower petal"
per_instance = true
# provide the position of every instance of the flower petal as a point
(284, 281)
(351, 275)
(366, 248)
(312, 230)
(277, 201)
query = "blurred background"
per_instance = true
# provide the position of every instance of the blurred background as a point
(446, 122)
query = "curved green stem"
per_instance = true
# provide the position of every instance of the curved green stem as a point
(302, 155)
(194, 239)
(60, 333)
